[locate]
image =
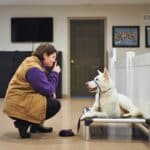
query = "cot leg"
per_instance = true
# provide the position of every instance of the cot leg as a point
(148, 122)
(132, 130)
(149, 135)
(86, 132)
(86, 129)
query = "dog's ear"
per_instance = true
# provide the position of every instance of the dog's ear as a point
(106, 73)
(105, 70)
(99, 72)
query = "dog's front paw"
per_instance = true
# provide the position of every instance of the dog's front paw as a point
(86, 115)
(82, 117)
(127, 115)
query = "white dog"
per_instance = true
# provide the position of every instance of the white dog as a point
(108, 102)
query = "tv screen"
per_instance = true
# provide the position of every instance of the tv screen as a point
(32, 29)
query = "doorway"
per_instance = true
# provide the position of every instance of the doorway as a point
(86, 53)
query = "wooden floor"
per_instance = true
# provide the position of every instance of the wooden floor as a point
(66, 118)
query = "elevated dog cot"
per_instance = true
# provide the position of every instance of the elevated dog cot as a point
(141, 121)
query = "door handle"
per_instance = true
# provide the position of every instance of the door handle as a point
(72, 61)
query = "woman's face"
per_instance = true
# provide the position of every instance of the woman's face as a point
(49, 59)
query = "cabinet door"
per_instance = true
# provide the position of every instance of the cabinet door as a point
(9, 62)
(6, 71)
(19, 57)
(59, 87)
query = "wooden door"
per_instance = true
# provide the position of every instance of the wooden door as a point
(86, 53)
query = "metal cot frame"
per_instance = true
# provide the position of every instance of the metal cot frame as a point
(89, 122)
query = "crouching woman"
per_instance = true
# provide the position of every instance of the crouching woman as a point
(29, 98)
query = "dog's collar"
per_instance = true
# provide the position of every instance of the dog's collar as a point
(97, 85)
(99, 106)
(100, 88)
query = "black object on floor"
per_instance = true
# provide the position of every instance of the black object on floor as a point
(66, 133)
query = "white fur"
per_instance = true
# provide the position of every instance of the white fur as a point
(110, 100)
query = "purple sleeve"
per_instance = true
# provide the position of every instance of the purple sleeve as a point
(45, 85)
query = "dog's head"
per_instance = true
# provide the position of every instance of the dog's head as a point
(102, 82)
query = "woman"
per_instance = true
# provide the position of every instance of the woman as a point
(29, 97)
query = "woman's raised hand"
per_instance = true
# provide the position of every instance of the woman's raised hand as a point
(56, 68)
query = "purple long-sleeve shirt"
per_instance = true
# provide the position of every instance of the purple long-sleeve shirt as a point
(42, 83)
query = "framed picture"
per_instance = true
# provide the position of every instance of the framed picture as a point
(125, 36)
(147, 36)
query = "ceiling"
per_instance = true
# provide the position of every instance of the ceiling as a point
(72, 2)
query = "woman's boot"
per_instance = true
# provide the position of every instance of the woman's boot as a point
(22, 128)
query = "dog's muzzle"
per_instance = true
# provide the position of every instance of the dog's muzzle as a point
(91, 86)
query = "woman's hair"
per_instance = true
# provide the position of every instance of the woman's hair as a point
(44, 48)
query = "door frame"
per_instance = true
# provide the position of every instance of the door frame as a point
(69, 45)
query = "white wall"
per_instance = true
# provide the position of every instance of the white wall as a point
(115, 15)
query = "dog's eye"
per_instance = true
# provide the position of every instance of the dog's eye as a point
(96, 79)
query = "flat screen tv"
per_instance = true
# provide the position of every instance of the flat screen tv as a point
(32, 29)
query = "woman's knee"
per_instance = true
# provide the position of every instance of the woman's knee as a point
(52, 108)
(57, 105)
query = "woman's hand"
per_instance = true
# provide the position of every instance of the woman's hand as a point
(54, 95)
(56, 68)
